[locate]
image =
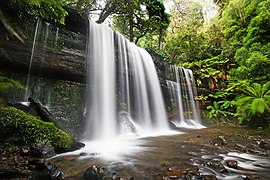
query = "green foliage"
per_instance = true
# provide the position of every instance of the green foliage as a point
(258, 29)
(7, 84)
(254, 102)
(185, 46)
(28, 129)
(138, 18)
(253, 63)
(246, 27)
(44, 9)
(213, 71)
(219, 109)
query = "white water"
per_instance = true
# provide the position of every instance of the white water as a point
(183, 91)
(123, 87)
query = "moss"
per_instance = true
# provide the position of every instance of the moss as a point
(16, 126)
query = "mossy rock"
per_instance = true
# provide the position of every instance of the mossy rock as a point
(19, 127)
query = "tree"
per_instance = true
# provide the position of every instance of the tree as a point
(185, 39)
(44, 9)
(142, 17)
(246, 26)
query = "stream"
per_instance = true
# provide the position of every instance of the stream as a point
(193, 154)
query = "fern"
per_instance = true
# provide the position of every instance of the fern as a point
(254, 102)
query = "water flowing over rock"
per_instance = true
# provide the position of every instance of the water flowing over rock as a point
(182, 90)
(121, 77)
(55, 51)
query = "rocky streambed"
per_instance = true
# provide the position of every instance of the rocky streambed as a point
(210, 153)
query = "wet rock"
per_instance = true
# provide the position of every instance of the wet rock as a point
(191, 173)
(232, 164)
(174, 174)
(54, 171)
(218, 141)
(240, 147)
(127, 123)
(209, 177)
(217, 166)
(41, 150)
(35, 108)
(261, 153)
(75, 146)
(46, 172)
(264, 145)
(114, 177)
(95, 172)
(172, 125)
(250, 177)
(24, 106)
(42, 111)
(83, 154)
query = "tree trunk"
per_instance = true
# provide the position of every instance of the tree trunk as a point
(108, 10)
(131, 35)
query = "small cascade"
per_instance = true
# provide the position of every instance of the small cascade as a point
(45, 38)
(26, 95)
(124, 93)
(182, 89)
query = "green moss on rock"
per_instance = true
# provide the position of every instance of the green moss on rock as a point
(17, 126)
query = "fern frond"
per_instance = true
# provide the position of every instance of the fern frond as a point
(258, 105)
(266, 88)
(243, 100)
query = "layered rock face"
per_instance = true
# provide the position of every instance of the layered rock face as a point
(57, 51)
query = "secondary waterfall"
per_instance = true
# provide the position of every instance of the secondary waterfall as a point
(182, 90)
(123, 87)
(26, 95)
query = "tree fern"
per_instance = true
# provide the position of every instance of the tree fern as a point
(254, 101)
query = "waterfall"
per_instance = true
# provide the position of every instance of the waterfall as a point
(27, 92)
(123, 87)
(182, 89)
(39, 45)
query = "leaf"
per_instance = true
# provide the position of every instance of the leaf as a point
(258, 105)
(243, 100)
(226, 104)
(266, 88)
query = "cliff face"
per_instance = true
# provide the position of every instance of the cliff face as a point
(58, 50)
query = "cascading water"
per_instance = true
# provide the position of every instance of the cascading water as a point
(182, 91)
(123, 87)
(40, 42)
(26, 95)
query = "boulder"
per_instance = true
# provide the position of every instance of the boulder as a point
(232, 164)
(46, 171)
(95, 172)
(75, 146)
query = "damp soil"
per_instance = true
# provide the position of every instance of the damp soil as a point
(210, 153)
